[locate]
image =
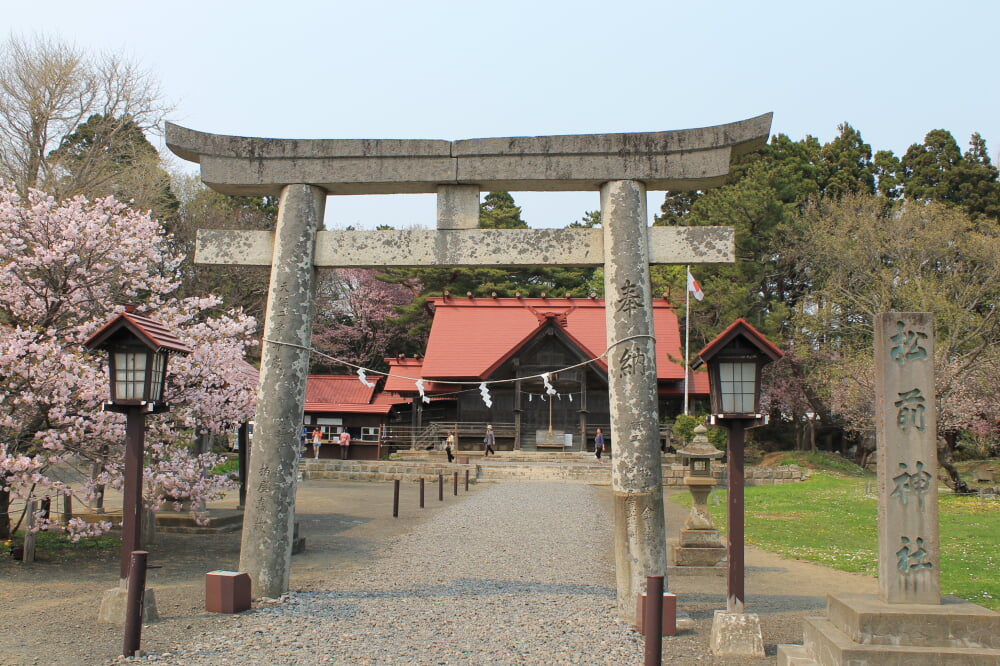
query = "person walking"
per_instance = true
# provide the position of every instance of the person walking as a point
(317, 441)
(345, 444)
(490, 441)
(599, 444)
(449, 446)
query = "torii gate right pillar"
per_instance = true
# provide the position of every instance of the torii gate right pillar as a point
(636, 473)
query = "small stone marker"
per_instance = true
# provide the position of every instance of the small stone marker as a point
(227, 592)
(906, 428)
(736, 635)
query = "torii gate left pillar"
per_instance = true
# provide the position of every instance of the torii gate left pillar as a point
(268, 518)
(621, 166)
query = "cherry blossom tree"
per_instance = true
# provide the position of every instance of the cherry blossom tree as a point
(65, 269)
(862, 256)
(355, 318)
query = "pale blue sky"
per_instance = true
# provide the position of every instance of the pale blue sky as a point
(456, 70)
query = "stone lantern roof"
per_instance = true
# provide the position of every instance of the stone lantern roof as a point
(700, 447)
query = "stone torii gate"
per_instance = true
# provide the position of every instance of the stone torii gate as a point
(302, 173)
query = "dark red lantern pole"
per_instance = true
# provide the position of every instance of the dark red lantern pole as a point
(734, 360)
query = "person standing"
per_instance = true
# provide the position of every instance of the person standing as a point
(345, 444)
(490, 441)
(317, 441)
(599, 444)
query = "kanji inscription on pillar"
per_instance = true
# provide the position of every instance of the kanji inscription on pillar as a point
(906, 425)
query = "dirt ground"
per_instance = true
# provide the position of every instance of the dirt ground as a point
(49, 611)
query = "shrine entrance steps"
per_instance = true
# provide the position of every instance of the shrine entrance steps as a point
(503, 467)
(578, 467)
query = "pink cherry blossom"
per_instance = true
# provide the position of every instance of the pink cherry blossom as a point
(65, 269)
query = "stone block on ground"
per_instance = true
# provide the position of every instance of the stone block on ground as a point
(736, 635)
(227, 592)
(113, 604)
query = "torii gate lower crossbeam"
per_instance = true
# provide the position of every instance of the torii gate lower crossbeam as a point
(621, 166)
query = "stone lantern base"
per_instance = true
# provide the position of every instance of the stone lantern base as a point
(697, 548)
(700, 544)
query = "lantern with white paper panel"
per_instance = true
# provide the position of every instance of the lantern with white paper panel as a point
(735, 360)
(137, 349)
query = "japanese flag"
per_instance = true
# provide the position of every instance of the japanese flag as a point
(694, 287)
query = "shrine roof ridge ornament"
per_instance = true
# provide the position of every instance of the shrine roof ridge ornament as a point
(671, 160)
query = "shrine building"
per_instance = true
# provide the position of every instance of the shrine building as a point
(510, 343)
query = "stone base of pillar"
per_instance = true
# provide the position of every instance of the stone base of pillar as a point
(113, 605)
(862, 629)
(736, 635)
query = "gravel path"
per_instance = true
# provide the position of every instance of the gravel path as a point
(519, 573)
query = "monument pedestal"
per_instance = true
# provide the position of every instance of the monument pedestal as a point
(860, 630)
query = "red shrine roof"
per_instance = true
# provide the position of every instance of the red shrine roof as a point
(471, 337)
(403, 373)
(344, 393)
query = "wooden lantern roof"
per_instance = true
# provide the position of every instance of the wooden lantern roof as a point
(150, 332)
(738, 332)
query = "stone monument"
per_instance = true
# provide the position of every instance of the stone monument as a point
(908, 623)
(621, 166)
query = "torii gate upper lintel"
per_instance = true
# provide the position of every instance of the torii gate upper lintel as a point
(673, 160)
(621, 166)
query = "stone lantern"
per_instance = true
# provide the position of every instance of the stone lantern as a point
(700, 543)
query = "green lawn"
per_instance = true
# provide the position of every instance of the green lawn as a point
(802, 520)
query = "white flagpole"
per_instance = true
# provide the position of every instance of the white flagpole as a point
(687, 331)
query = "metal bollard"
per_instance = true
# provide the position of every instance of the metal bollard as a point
(440, 487)
(395, 498)
(456, 485)
(135, 602)
(466, 480)
(654, 621)
(421, 492)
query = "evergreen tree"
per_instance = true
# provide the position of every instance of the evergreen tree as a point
(111, 157)
(498, 211)
(847, 164)
(936, 170)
